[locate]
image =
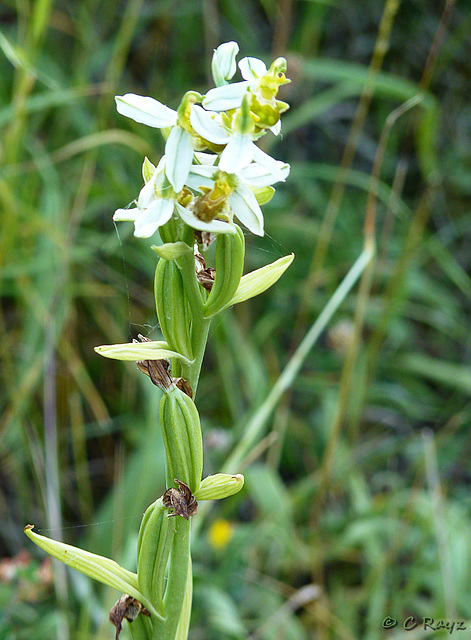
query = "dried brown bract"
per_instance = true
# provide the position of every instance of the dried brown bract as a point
(205, 239)
(184, 386)
(126, 607)
(205, 276)
(181, 500)
(160, 373)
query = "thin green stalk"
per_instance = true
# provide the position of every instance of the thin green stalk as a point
(177, 597)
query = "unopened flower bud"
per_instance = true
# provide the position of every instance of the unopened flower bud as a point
(171, 250)
(223, 65)
(147, 169)
(221, 485)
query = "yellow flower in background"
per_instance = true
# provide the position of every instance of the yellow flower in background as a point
(220, 533)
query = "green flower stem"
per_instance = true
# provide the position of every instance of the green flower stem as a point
(182, 317)
(177, 598)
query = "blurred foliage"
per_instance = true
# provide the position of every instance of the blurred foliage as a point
(357, 502)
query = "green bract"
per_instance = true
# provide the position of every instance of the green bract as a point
(258, 281)
(230, 251)
(97, 567)
(153, 548)
(171, 250)
(132, 351)
(181, 431)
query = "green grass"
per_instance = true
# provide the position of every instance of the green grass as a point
(356, 504)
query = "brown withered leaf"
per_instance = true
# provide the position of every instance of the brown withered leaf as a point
(181, 500)
(126, 607)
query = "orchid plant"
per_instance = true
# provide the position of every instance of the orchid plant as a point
(211, 177)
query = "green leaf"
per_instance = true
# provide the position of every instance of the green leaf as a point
(258, 281)
(132, 351)
(97, 567)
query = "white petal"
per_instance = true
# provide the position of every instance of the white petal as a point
(247, 209)
(146, 110)
(206, 170)
(206, 158)
(120, 215)
(200, 176)
(216, 226)
(147, 193)
(237, 154)
(274, 166)
(152, 218)
(256, 175)
(179, 156)
(224, 98)
(206, 126)
(276, 128)
(252, 68)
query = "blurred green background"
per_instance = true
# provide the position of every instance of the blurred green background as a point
(357, 498)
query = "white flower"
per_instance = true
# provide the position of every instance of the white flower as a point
(242, 199)
(157, 203)
(240, 149)
(226, 97)
(178, 148)
(259, 81)
(152, 210)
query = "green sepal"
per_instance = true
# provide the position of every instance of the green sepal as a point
(153, 549)
(97, 567)
(230, 252)
(147, 169)
(181, 432)
(133, 351)
(263, 194)
(258, 281)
